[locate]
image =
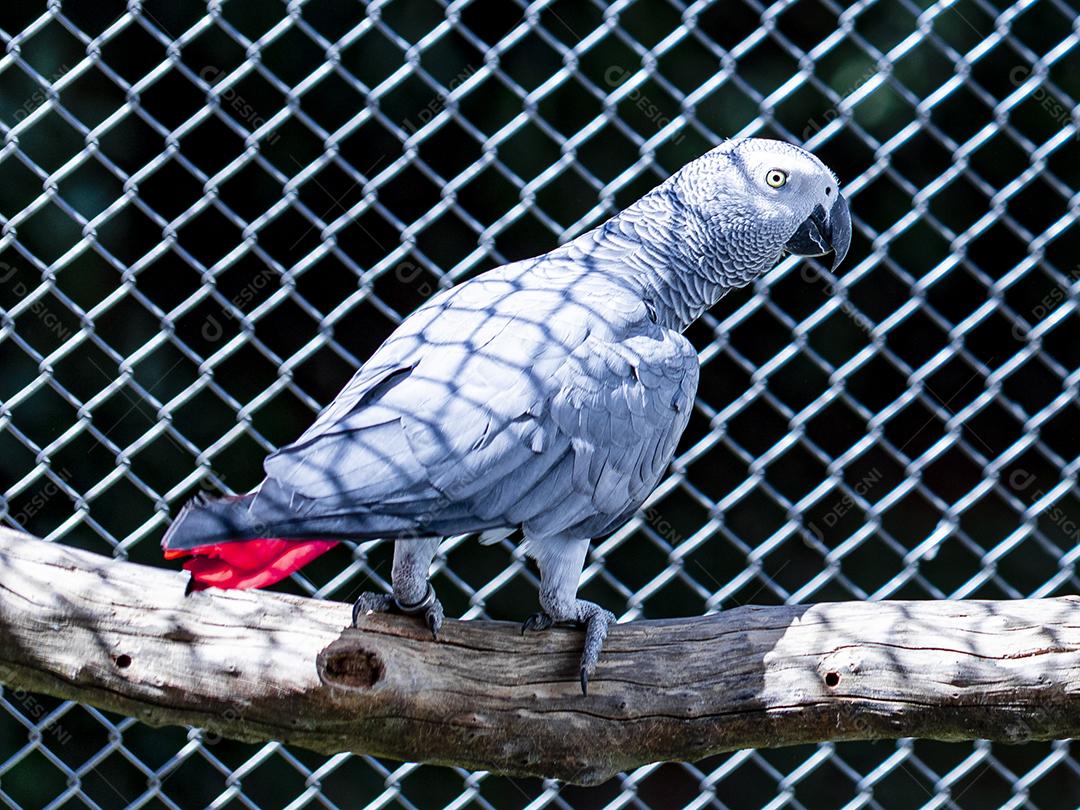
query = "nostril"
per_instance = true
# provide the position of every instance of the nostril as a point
(832, 679)
(828, 190)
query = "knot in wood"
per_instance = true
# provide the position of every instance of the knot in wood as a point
(356, 668)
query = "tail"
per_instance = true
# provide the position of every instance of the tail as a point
(207, 530)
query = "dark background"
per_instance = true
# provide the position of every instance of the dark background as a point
(179, 297)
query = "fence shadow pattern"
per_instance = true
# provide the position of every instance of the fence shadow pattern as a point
(213, 214)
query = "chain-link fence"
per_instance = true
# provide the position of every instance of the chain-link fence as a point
(213, 213)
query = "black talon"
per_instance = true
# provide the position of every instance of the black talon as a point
(584, 682)
(371, 602)
(433, 624)
(537, 621)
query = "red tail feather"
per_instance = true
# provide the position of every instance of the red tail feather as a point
(248, 563)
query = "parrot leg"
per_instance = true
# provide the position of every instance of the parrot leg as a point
(413, 593)
(560, 563)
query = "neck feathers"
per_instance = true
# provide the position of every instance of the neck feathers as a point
(668, 254)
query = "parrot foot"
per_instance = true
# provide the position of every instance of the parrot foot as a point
(594, 619)
(429, 606)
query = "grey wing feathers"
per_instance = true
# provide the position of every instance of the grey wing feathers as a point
(537, 413)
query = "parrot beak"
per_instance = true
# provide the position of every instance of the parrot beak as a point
(822, 233)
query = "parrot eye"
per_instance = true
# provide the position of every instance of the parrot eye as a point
(776, 178)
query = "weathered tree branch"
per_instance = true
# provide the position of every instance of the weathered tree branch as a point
(257, 666)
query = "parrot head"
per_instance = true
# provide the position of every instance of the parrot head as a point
(759, 199)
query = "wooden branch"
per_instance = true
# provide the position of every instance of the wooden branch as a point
(258, 666)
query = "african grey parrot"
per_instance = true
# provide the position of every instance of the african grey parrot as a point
(545, 395)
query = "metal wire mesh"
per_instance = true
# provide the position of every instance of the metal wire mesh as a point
(211, 215)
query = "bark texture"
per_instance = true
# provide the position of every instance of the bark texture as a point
(258, 666)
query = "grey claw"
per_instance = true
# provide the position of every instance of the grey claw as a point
(434, 617)
(537, 621)
(371, 603)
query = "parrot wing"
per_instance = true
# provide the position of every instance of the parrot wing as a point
(514, 406)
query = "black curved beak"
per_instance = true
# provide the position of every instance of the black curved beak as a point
(822, 233)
